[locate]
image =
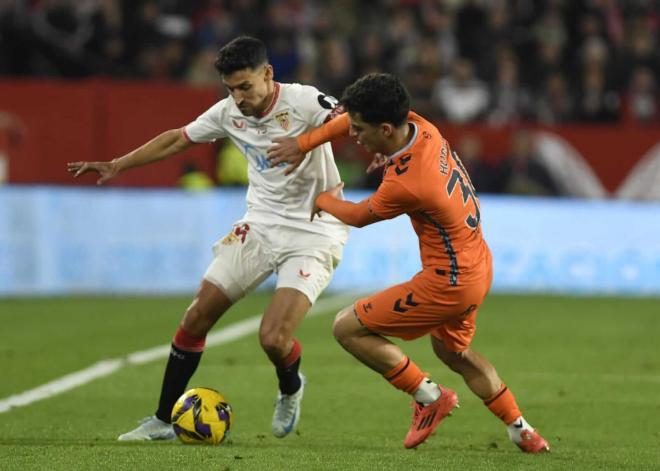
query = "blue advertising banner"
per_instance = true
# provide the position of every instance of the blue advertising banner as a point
(56, 241)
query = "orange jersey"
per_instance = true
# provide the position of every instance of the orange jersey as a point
(428, 182)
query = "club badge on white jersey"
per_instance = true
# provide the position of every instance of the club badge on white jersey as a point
(275, 198)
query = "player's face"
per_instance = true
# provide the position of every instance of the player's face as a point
(371, 136)
(251, 89)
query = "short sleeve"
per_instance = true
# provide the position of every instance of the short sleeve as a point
(392, 199)
(313, 105)
(209, 126)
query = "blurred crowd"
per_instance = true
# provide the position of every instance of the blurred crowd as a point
(549, 61)
(463, 61)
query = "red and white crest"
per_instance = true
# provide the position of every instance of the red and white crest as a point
(283, 119)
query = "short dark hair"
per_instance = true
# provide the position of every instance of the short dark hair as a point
(241, 53)
(379, 98)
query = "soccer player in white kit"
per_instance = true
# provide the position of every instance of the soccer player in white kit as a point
(275, 235)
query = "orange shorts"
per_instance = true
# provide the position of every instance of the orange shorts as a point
(426, 304)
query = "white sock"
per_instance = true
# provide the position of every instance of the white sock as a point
(427, 392)
(516, 427)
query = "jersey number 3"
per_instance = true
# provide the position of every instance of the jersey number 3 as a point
(460, 176)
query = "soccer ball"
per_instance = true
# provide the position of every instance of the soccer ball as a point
(201, 415)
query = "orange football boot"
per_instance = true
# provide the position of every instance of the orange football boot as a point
(427, 418)
(532, 442)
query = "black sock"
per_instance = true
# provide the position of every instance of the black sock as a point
(289, 378)
(180, 367)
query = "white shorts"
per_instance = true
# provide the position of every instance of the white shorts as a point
(246, 256)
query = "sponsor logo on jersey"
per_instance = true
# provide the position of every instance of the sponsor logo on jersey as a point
(261, 129)
(238, 123)
(283, 119)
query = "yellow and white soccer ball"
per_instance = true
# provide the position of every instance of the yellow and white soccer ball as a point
(202, 415)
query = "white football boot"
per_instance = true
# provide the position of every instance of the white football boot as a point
(150, 428)
(287, 410)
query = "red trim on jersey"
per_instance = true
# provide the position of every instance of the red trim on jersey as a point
(186, 136)
(276, 95)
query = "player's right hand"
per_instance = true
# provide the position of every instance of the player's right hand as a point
(285, 149)
(107, 170)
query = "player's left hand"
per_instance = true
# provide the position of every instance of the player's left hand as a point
(285, 149)
(334, 192)
(378, 161)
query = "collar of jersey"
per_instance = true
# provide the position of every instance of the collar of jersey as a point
(407, 146)
(269, 108)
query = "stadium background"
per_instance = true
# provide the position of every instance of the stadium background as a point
(553, 106)
(541, 99)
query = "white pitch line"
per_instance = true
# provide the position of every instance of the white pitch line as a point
(108, 367)
(60, 385)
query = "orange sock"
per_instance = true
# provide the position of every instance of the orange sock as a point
(405, 376)
(503, 405)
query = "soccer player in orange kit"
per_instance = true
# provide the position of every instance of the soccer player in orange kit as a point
(425, 180)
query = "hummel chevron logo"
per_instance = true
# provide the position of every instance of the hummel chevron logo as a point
(400, 169)
(409, 302)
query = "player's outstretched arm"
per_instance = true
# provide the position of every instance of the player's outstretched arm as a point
(293, 150)
(353, 214)
(161, 147)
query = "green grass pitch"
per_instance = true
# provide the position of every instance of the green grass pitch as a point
(586, 372)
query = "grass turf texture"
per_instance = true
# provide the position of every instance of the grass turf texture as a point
(585, 371)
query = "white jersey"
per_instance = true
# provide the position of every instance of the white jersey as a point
(272, 197)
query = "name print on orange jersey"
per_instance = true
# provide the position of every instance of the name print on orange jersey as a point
(444, 167)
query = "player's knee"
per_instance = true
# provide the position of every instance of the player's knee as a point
(338, 328)
(274, 342)
(342, 327)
